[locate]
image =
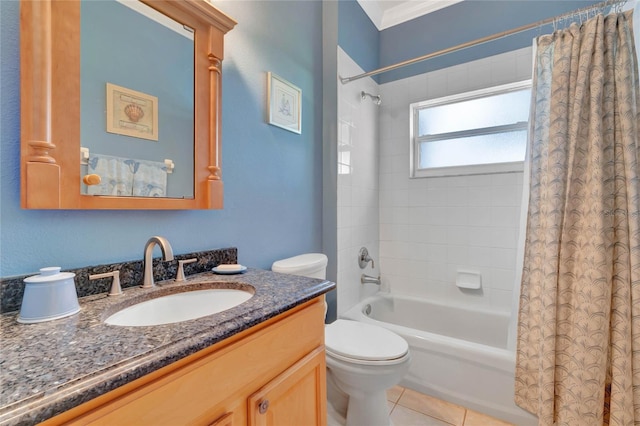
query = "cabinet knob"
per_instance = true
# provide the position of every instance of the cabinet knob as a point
(263, 406)
(91, 179)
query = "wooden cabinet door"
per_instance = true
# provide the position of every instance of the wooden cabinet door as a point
(297, 397)
(226, 420)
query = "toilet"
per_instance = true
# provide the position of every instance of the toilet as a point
(363, 360)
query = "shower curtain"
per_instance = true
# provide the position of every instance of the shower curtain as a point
(578, 346)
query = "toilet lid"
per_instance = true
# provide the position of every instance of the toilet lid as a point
(302, 262)
(361, 341)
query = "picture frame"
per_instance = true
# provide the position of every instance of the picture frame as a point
(131, 113)
(284, 102)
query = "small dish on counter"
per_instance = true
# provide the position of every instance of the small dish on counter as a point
(229, 269)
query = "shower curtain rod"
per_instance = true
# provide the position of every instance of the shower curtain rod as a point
(601, 5)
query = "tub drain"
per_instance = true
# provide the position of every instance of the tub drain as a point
(367, 309)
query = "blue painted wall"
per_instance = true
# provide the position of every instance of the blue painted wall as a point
(453, 25)
(273, 178)
(358, 36)
(463, 22)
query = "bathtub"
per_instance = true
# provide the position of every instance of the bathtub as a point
(458, 354)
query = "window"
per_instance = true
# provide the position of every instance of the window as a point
(484, 131)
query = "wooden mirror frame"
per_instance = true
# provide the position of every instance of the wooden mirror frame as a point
(50, 107)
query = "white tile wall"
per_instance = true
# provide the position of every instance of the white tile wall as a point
(421, 231)
(431, 227)
(358, 183)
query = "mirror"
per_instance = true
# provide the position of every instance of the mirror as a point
(122, 104)
(136, 101)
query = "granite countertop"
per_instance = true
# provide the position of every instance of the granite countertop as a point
(48, 368)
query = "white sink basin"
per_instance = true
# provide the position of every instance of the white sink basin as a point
(179, 307)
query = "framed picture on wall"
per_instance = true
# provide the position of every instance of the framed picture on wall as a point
(131, 113)
(284, 103)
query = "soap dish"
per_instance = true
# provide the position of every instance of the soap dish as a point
(229, 269)
(471, 280)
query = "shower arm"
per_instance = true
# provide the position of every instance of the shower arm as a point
(375, 98)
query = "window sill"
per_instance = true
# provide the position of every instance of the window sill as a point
(477, 169)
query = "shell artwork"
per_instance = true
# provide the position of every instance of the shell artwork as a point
(134, 112)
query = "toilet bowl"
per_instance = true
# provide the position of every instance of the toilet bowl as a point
(363, 360)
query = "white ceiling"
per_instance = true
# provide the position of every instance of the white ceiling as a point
(387, 13)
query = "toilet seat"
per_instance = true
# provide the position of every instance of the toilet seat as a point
(362, 343)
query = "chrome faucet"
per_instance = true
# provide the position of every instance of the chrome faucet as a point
(167, 255)
(367, 279)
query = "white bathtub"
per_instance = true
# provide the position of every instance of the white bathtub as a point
(458, 354)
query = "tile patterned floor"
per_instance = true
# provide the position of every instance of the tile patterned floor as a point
(410, 408)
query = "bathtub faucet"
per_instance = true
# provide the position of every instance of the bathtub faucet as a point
(367, 279)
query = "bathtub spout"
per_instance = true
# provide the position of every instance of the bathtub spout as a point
(367, 279)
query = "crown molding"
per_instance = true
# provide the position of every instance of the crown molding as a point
(385, 17)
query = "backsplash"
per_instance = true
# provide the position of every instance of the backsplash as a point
(131, 275)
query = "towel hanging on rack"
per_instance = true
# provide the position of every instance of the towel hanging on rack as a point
(127, 176)
(116, 174)
(149, 179)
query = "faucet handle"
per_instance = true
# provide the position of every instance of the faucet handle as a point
(181, 263)
(364, 258)
(116, 289)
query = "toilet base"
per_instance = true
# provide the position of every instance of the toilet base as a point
(368, 409)
(335, 418)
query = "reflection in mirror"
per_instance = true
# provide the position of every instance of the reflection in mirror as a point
(137, 101)
(58, 122)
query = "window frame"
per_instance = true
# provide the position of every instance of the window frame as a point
(414, 140)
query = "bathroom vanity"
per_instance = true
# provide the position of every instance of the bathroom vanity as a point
(259, 363)
(229, 383)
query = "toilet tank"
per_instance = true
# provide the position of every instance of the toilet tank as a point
(312, 265)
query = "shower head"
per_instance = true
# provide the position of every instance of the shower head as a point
(375, 98)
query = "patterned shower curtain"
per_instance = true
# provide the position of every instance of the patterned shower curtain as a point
(578, 354)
